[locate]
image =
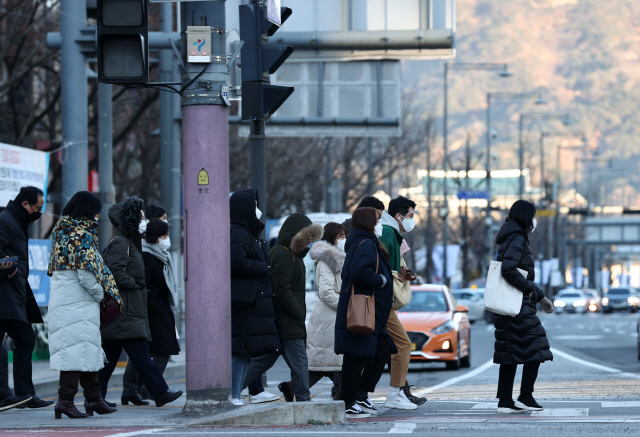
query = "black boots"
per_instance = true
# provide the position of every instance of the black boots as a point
(68, 408)
(97, 405)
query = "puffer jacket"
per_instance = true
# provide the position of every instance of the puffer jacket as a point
(520, 339)
(123, 256)
(74, 321)
(329, 260)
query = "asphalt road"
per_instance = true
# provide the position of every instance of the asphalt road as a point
(591, 388)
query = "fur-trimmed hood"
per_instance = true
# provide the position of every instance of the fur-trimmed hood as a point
(305, 237)
(126, 216)
(329, 254)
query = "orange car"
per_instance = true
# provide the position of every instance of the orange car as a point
(438, 327)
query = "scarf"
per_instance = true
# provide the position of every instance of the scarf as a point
(169, 276)
(75, 246)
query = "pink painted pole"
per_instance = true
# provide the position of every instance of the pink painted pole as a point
(206, 248)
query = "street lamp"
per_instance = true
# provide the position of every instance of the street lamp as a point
(549, 134)
(503, 72)
(534, 116)
(575, 174)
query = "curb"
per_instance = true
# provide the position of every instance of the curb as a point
(281, 414)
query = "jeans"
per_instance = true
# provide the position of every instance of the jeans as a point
(131, 381)
(508, 374)
(24, 340)
(138, 352)
(5, 391)
(90, 382)
(360, 375)
(239, 367)
(295, 354)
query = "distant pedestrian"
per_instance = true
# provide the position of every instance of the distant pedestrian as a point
(366, 202)
(130, 331)
(79, 281)
(253, 318)
(163, 286)
(18, 306)
(155, 212)
(367, 269)
(520, 339)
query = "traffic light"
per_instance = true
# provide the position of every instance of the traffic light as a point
(260, 99)
(123, 43)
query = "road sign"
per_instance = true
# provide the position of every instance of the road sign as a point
(546, 213)
(471, 194)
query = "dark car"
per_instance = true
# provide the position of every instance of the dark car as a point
(621, 299)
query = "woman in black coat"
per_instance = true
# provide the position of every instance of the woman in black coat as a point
(366, 267)
(253, 318)
(520, 339)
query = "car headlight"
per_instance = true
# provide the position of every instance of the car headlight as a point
(560, 304)
(605, 301)
(444, 328)
(579, 303)
(633, 300)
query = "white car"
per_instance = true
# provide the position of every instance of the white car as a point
(472, 299)
(571, 300)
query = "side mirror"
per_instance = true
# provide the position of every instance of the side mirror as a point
(462, 309)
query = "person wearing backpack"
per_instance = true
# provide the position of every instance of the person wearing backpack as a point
(520, 339)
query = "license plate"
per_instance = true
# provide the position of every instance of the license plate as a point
(413, 346)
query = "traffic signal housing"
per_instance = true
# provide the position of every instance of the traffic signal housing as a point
(260, 99)
(123, 41)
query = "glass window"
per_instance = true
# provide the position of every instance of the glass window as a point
(427, 301)
(619, 291)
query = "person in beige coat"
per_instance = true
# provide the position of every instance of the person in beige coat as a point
(328, 255)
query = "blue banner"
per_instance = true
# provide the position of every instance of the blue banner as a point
(38, 265)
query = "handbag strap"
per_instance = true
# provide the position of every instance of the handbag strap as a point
(373, 292)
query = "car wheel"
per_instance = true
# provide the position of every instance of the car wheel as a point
(465, 362)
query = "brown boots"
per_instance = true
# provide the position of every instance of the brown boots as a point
(97, 405)
(67, 407)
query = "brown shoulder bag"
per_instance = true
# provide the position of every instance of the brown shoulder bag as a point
(361, 312)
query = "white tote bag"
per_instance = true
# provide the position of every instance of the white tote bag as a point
(500, 297)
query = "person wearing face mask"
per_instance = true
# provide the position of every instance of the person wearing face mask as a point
(18, 307)
(399, 219)
(367, 269)
(156, 212)
(163, 287)
(520, 339)
(123, 256)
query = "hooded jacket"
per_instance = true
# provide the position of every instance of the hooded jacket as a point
(520, 339)
(289, 273)
(253, 319)
(124, 258)
(391, 239)
(16, 298)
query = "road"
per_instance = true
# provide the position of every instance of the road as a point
(591, 388)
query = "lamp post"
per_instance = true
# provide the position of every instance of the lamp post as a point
(503, 71)
(575, 175)
(534, 116)
(550, 134)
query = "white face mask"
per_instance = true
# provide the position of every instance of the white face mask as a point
(164, 244)
(535, 225)
(341, 244)
(408, 224)
(142, 227)
(258, 213)
(378, 230)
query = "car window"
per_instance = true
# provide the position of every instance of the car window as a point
(427, 301)
(569, 295)
(620, 291)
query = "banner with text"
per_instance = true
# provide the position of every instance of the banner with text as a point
(38, 265)
(20, 167)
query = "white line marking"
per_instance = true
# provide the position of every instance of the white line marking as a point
(577, 337)
(561, 412)
(620, 404)
(485, 406)
(455, 380)
(143, 432)
(584, 362)
(403, 428)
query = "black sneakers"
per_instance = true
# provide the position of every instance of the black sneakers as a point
(527, 402)
(508, 407)
(13, 402)
(355, 412)
(414, 399)
(368, 407)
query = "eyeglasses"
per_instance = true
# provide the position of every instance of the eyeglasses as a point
(36, 208)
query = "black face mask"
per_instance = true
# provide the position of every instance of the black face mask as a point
(35, 216)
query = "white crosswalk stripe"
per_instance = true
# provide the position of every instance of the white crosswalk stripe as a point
(561, 412)
(403, 428)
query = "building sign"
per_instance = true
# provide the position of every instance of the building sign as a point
(20, 167)
(38, 264)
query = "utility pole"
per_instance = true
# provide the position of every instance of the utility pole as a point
(206, 201)
(73, 78)
(166, 116)
(105, 160)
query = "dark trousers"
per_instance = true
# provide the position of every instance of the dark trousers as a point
(90, 382)
(508, 374)
(138, 352)
(256, 386)
(360, 375)
(131, 380)
(24, 340)
(258, 365)
(5, 391)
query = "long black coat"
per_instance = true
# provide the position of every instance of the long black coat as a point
(254, 327)
(520, 339)
(360, 269)
(162, 322)
(124, 259)
(16, 298)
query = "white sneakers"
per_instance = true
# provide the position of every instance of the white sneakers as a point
(237, 402)
(264, 396)
(397, 399)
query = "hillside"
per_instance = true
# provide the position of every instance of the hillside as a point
(583, 55)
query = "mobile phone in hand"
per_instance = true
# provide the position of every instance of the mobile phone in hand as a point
(11, 259)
